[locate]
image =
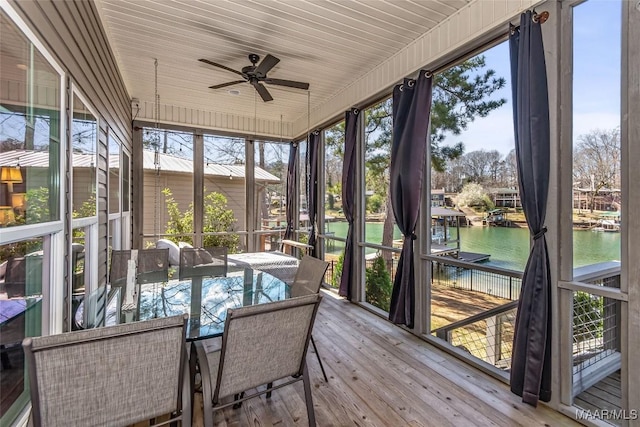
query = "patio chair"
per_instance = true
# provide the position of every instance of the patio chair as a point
(201, 262)
(119, 375)
(77, 267)
(308, 280)
(118, 269)
(153, 266)
(255, 351)
(15, 277)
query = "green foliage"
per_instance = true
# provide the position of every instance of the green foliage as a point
(87, 209)
(217, 218)
(20, 249)
(587, 316)
(378, 284)
(460, 94)
(375, 203)
(337, 271)
(37, 203)
(330, 198)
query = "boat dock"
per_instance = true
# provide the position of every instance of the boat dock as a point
(468, 256)
(456, 254)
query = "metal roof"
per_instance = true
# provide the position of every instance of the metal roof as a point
(438, 211)
(168, 163)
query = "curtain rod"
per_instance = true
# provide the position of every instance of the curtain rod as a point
(537, 17)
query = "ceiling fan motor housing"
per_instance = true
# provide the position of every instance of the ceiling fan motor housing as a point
(257, 74)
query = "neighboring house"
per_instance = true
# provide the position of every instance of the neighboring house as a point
(505, 197)
(606, 199)
(437, 197)
(176, 174)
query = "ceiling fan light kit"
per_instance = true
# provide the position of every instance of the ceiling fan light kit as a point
(256, 75)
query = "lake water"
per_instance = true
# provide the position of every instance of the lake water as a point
(508, 247)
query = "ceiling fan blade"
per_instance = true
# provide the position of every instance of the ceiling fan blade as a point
(206, 61)
(220, 86)
(267, 64)
(264, 93)
(288, 83)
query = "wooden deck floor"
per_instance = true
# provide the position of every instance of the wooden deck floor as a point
(380, 375)
(604, 395)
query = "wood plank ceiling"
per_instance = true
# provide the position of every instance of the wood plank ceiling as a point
(328, 43)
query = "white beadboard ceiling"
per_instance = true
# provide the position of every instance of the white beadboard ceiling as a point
(331, 44)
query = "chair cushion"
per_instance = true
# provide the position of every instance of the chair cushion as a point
(204, 257)
(174, 250)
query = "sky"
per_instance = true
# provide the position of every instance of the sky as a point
(596, 91)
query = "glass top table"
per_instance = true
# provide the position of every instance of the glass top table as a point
(207, 299)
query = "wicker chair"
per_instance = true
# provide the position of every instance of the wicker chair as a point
(119, 375)
(260, 344)
(308, 280)
(201, 262)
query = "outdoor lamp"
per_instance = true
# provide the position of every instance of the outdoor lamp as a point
(10, 176)
(17, 200)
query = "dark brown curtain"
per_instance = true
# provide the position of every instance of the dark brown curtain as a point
(531, 357)
(352, 118)
(292, 174)
(312, 187)
(411, 112)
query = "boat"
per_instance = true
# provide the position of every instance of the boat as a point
(607, 226)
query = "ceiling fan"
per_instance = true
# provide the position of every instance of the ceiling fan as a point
(256, 75)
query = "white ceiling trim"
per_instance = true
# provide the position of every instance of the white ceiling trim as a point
(216, 121)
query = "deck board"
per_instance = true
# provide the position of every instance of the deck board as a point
(605, 394)
(381, 375)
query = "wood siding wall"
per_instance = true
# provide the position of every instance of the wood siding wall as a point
(71, 31)
(181, 186)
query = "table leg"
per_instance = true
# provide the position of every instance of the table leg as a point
(196, 302)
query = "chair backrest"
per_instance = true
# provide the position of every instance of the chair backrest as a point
(201, 262)
(118, 375)
(15, 276)
(77, 266)
(153, 266)
(119, 266)
(264, 343)
(309, 276)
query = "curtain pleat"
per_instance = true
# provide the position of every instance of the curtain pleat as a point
(352, 118)
(312, 188)
(411, 113)
(531, 357)
(292, 174)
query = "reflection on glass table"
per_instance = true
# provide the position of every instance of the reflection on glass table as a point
(207, 300)
(100, 308)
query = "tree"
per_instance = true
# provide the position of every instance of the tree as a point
(460, 94)
(458, 98)
(511, 169)
(473, 194)
(217, 218)
(378, 284)
(483, 167)
(596, 162)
